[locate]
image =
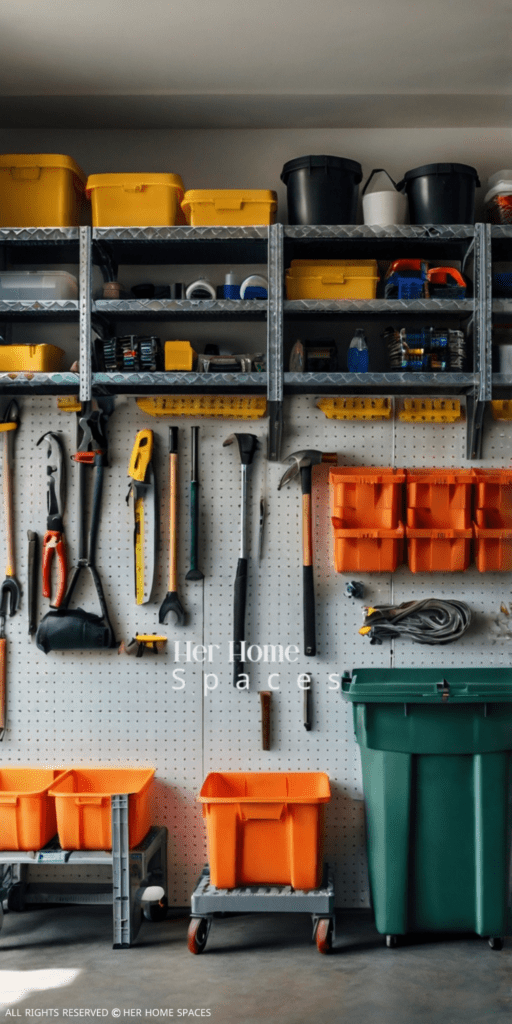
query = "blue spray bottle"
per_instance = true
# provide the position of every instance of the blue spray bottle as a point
(358, 356)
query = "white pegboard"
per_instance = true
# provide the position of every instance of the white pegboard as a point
(106, 707)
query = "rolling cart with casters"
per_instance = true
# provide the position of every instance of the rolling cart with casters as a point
(258, 899)
(139, 877)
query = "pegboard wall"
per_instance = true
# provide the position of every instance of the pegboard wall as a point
(96, 707)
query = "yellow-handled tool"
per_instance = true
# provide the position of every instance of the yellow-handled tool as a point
(142, 491)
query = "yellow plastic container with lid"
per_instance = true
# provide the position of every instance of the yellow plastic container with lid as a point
(332, 279)
(30, 358)
(41, 190)
(230, 206)
(135, 200)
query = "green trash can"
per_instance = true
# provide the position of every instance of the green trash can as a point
(436, 756)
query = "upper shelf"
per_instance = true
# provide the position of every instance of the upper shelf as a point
(45, 309)
(41, 245)
(184, 244)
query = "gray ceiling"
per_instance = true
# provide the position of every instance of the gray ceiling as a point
(227, 63)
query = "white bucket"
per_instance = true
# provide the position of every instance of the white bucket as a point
(385, 208)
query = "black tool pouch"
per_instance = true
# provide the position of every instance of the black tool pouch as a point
(63, 630)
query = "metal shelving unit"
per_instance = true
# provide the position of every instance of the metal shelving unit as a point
(274, 246)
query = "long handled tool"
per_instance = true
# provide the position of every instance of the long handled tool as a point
(142, 491)
(61, 628)
(303, 462)
(247, 445)
(10, 591)
(194, 572)
(171, 602)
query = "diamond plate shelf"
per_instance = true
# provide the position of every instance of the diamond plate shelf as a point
(189, 309)
(502, 306)
(31, 236)
(45, 383)
(55, 309)
(162, 381)
(180, 233)
(501, 231)
(421, 232)
(378, 307)
(404, 381)
(502, 379)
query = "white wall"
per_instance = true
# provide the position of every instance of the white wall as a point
(254, 158)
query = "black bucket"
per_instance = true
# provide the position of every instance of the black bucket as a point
(441, 193)
(322, 189)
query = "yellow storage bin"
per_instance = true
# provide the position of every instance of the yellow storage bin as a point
(332, 279)
(179, 355)
(41, 190)
(135, 200)
(34, 358)
(226, 206)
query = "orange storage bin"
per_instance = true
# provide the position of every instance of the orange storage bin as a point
(265, 827)
(42, 190)
(82, 801)
(366, 505)
(27, 812)
(439, 526)
(492, 527)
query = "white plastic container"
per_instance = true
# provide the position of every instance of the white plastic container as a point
(384, 207)
(37, 285)
(505, 359)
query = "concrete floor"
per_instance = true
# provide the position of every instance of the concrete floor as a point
(255, 968)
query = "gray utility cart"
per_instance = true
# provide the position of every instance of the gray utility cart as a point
(139, 877)
(261, 899)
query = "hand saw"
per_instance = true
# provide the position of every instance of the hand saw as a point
(143, 494)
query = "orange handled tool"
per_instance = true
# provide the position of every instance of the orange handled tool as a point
(10, 590)
(53, 541)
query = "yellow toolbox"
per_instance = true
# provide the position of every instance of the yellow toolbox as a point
(135, 200)
(179, 355)
(332, 279)
(34, 358)
(41, 190)
(227, 206)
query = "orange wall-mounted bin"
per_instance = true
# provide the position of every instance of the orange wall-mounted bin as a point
(41, 190)
(27, 812)
(265, 827)
(135, 200)
(439, 526)
(82, 801)
(230, 206)
(492, 527)
(366, 507)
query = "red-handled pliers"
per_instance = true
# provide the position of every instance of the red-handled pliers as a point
(53, 541)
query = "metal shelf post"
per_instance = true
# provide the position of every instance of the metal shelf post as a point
(482, 392)
(275, 340)
(85, 313)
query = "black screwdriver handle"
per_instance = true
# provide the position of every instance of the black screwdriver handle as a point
(239, 617)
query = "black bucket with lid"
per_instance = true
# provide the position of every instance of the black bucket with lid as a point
(322, 189)
(441, 193)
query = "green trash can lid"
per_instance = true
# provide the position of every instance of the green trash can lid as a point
(428, 685)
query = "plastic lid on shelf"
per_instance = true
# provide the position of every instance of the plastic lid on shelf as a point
(42, 160)
(134, 180)
(428, 685)
(418, 172)
(338, 163)
(499, 178)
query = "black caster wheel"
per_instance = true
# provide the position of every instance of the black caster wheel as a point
(156, 911)
(391, 941)
(197, 934)
(496, 942)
